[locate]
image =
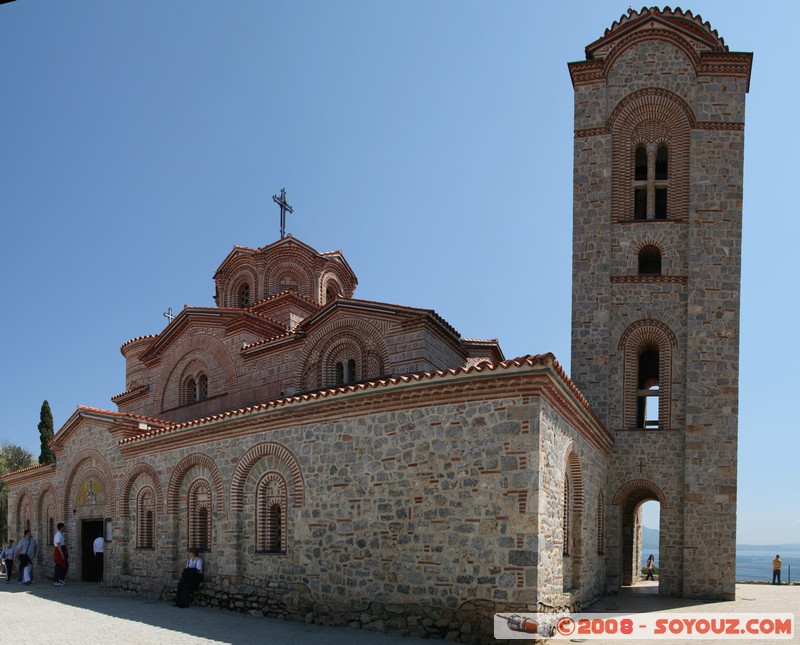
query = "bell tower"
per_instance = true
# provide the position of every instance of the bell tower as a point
(657, 226)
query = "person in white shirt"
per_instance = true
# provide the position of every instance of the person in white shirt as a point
(99, 547)
(191, 578)
(60, 556)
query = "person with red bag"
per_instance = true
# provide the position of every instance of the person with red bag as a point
(60, 555)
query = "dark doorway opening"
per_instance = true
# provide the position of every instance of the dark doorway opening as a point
(90, 529)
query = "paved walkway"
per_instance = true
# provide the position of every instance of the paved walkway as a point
(750, 599)
(85, 613)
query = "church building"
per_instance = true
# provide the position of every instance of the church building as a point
(352, 462)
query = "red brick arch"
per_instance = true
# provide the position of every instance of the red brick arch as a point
(373, 354)
(48, 488)
(639, 490)
(127, 485)
(195, 343)
(90, 460)
(252, 457)
(24, 499)
(294, 267)
(643, 333)
(573, 465)
(179, 474)
(243, 275)
(636, 114)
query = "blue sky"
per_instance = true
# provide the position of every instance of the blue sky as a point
(430, 141)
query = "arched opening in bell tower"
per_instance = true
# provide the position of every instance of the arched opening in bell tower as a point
(640, 503)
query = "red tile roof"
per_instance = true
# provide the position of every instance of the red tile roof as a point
(531, 361)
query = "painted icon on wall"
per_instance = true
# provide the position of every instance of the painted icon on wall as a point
(91, 492)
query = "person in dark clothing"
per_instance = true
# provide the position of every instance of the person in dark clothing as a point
(191, 578)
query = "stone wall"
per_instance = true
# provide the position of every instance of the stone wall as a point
(420, 509)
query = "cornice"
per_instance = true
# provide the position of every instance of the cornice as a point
(649, 279)
(518, 378)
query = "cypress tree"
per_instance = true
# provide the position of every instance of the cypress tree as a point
(46, 434)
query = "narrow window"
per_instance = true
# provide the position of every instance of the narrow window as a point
(244, 295)
(350, 371)
(330, 295)
(271, 514)
(661, 203)
(145, 524)
(191, 391)
(641, 164)
(640, 206)
(339, 375)
(647, 390)
(661, 163)
(649, 260)
(274, 529)
(200, 516)
(601, 528)
(202, 387)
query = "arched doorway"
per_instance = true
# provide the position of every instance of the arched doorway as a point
(631, 498)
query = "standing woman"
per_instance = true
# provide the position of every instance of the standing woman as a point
(650, 565)
(191, 578)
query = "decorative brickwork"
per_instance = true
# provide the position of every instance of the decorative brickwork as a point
(663, 326)
(202, 463)
(136, 471)
(644, 335)
(282, 455)
(650, 116)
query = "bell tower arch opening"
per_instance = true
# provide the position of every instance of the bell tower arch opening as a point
(634, 548)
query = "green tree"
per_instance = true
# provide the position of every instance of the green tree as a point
(46, 434)
(11, 458)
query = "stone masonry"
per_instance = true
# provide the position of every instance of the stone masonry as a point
(663, 78)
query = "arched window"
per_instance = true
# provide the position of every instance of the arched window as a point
(650, 260)
(647, 348)
(647, 390)
(271, 514)
(345, 372)
(330, 295)
(243, 296)
(650, 182)
(200, 515)
(145, 519)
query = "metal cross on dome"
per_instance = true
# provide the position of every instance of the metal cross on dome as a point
(281, 201)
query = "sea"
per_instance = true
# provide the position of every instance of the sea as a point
(754, 561)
